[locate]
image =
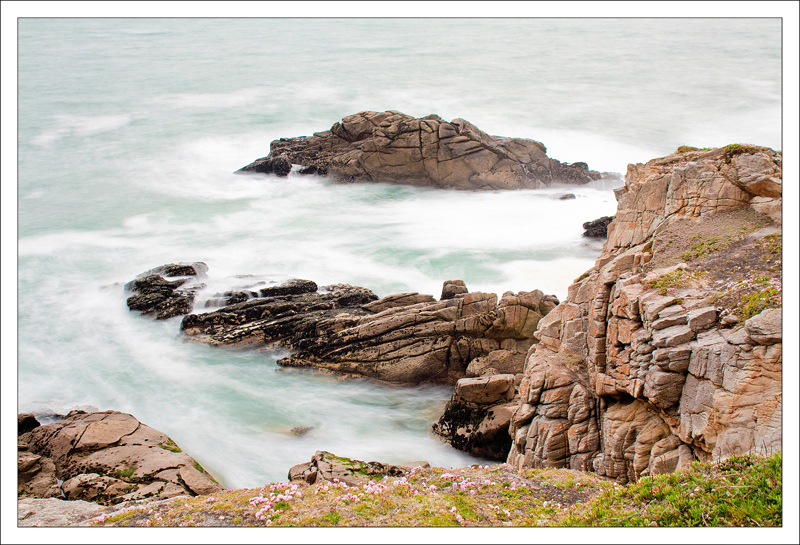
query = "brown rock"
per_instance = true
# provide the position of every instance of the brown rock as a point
(106, 457)
(394, 147)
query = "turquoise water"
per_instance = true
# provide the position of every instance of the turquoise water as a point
(130, 129)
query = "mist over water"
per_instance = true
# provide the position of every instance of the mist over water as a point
(130, 129)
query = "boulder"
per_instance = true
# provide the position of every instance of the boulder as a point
(597, 228)
(428, 151)
(451, 288)
(325, 466)
(155, 294)
(106, 457)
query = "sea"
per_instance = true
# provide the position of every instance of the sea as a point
(129, 133)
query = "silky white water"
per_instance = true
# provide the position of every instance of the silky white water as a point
(130, 130)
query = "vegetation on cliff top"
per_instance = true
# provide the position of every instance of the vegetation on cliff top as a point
(740, 491)
(723, 252)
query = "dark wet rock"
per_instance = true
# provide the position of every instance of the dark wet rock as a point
(300, 431)
(597, 228)
(477, 417)
(281, 319)
(429, 151)
(26, 422)
(156, 295)
(405, 338)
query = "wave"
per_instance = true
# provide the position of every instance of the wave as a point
(74, 125)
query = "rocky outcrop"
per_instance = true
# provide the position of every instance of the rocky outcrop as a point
(477, 417)
(156, 295)
(406, 338)
(644, 367)
(393, 147)
(597, 228)
(105, 457)
(325, 466)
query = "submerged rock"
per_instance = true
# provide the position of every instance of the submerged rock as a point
(106, 457)
(429, 151)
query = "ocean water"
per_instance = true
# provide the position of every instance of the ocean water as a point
(129, 131)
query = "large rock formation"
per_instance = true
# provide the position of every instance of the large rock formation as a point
(667, 350)
(429, 151)
(105, 457)
(406, 338)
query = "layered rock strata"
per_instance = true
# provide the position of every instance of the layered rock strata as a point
(429, 151)
(406, 338)
(642, 370)
(105, 457)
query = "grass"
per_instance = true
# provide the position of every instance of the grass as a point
(741, 491)
(686, 149)
(679, 278)
(170, 445)
(702, 247)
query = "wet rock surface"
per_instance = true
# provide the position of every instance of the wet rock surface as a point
(155, 295)
(597, 228)
(429, 151)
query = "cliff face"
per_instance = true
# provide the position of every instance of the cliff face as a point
(669, 348)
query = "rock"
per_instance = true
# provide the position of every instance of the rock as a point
(397, 300)
(628, 381)
(766, 327)
(406, 338)
(485, 390)
(26, 422)
(106, 457)
(300, 431)
(55, 512)
(163, 298)
(325, 466)
(394, 147)
(478, 429)
(597, 228)
(452, 288)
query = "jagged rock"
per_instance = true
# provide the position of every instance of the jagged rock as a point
(26, 422)
(629, 379)
(394, 147)
(451, 288)
(325, 466)
(397, 300)
(106, 457)
(597, 228)
(405, 338)
(282, 319)
(163, 298)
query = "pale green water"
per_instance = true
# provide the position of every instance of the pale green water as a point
(129, 131)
